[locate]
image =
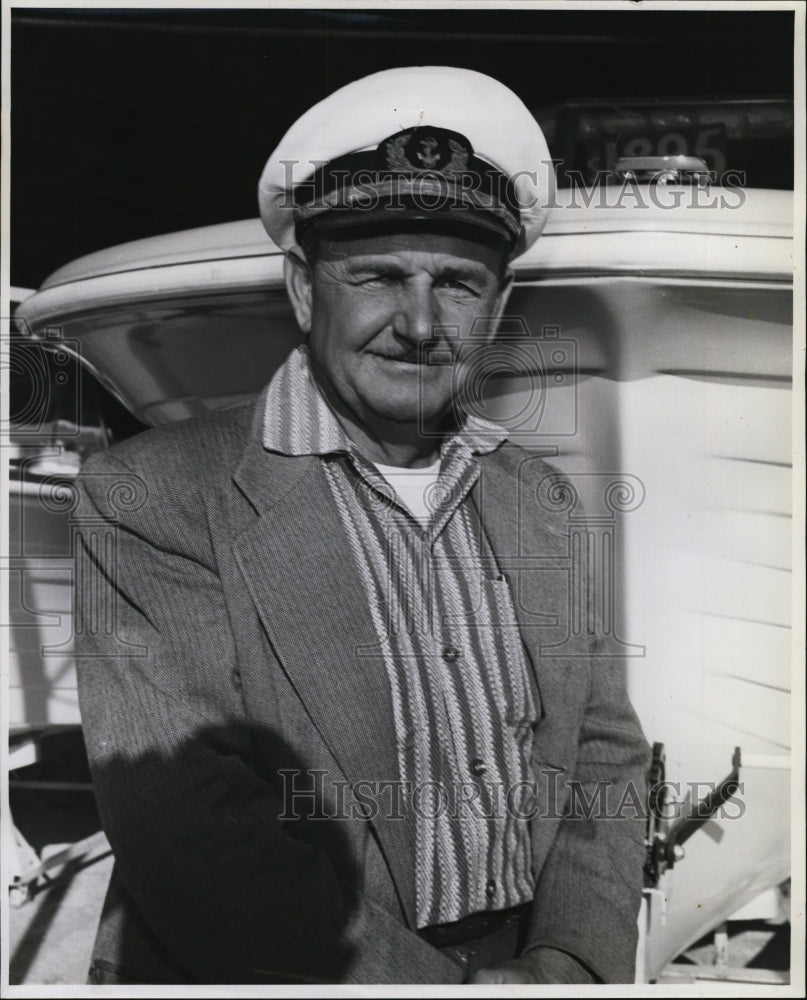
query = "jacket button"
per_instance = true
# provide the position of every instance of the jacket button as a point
(451, 654)
(490, 888)
(478, 767)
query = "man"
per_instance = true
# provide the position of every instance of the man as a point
(331, 729)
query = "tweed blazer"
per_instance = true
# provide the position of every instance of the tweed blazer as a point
(219, 610)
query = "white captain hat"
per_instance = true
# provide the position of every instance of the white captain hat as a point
(416, 144)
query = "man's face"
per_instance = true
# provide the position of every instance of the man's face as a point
(373, 300)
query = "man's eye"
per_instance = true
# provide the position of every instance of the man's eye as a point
(374, 281)
(455, 285)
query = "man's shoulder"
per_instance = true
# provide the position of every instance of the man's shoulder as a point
(212, 442)
(169, 484)
(171, 476)
(520, 461)
(526, 484)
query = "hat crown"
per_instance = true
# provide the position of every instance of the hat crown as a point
(418, 120)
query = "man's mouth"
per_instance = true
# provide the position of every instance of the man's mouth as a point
(404, 359)
(433, 356)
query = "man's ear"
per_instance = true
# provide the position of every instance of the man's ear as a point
(297, 272)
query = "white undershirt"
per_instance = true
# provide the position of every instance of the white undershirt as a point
(413, 487)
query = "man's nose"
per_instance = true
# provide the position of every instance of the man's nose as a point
(416, 314)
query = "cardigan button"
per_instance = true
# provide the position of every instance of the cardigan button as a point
(451, 654)
(478, 767)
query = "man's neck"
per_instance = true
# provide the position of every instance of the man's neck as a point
(399, 445)
(405, 445)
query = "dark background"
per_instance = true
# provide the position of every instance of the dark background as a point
(127, 124)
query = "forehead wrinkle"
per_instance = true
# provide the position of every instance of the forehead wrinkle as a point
(406, 262)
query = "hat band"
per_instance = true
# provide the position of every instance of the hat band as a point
(418, 173)
(421, 196)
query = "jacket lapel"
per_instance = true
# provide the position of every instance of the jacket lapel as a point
(532, 548)
(300, 570)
